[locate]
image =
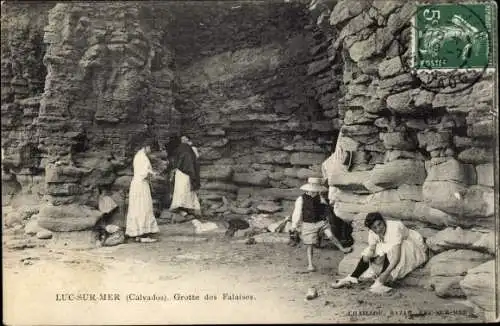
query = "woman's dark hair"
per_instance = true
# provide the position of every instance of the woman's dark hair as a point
(372, 218)
(143, 139)
(172, 145)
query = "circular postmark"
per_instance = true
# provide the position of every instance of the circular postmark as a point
(449, 49)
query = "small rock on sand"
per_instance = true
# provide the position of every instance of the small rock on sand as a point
(312, 293)
(44, 234)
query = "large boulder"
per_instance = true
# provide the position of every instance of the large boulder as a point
(453, 238)
(406, 210)
(397, 140)
(403, 192)
(476, 155)
(485, 175)
(398, 172)
(106, 204)
(455, 198)
(433, 216)
(486, 243)
(434, 140)
(452, 170)
(63, 173)
(448, 268)
(345, 10)
(478, 286)
(71, 217)
(349, 180)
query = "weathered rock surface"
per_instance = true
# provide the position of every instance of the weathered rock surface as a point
(269, 207)
(452, 170)
(68, 218)
(32, 227)
(107, 204)
(453, 238)
(448, 268)
(485, 175)
(44, 234)
(114, 239)
(486, 243)
(458, 199)
(478, 288)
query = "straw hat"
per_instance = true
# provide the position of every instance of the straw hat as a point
(314, 184)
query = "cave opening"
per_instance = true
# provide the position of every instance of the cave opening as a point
(242, 70)
(256, 89)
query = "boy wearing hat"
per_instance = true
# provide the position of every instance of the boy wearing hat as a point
(309, 211)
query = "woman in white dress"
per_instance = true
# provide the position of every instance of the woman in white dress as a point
(141, 222)
(391, 244)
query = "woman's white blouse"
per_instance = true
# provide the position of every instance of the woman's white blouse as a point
(395, 233)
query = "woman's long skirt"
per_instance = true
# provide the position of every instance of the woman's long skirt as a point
(140, 216)
(183, 196)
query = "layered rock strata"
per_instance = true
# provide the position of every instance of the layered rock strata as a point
(421, 154)
(258, 91)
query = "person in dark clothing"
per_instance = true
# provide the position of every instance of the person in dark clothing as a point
(186, 177)
(341, 229)
(309, 211)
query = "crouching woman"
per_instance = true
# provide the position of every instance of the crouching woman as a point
(391, 246)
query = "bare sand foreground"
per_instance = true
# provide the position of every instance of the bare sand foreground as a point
(185, 278)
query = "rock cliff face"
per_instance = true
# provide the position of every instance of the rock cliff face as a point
(421, 154)
(108, 83)
(22, 85)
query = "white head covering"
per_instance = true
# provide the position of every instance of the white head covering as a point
(185, 139)
(314, 184)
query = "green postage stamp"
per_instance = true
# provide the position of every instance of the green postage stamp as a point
(454, 36)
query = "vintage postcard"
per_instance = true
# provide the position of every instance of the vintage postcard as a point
(240, 162)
